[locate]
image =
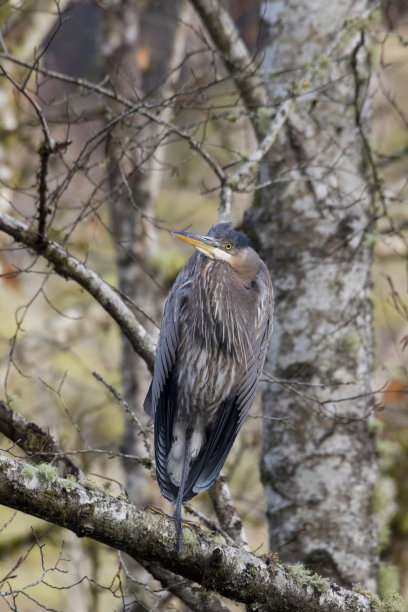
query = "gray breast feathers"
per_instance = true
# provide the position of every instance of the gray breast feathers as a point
(210, 355)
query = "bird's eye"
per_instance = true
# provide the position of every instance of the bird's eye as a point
(228, 246)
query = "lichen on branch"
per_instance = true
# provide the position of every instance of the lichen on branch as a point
(149, 536)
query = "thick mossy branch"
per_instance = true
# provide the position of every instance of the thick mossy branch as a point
(151, 537)
(303, 575)
(69, 267)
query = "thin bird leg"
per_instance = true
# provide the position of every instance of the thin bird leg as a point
(179, 501)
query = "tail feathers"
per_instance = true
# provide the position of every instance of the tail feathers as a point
(148, 405)
(208, 465)
(201, 458)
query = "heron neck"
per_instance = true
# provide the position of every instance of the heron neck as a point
(246, 266)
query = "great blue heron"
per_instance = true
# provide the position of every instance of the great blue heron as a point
(215, 329)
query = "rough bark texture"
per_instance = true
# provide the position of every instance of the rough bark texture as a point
(41, 447)
(313, 226)
(232, 572)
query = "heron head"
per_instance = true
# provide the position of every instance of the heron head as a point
(225, 244)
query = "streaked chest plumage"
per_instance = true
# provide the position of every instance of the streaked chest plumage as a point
(218, 318)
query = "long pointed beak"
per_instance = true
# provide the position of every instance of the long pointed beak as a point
(202, 243)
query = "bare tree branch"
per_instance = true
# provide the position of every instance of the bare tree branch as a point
(33, 440)
(245, 178)
(185, 590)
(40, 446)
(68, 266)
(84, 83)
(255, 95)
(234, 52)
(226, 511)
(142, 108)
(230, 571)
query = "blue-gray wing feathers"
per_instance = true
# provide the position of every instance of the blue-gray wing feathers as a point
(161, 401)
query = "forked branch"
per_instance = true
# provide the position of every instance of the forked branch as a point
(70, 267)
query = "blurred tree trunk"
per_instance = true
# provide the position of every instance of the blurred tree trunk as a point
(128, 203)
(134, 70)
(313, 226)
(23, 34)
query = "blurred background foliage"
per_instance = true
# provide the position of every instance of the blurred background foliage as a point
(53, 336)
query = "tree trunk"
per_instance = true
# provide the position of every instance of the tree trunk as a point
(313, 226)
(132, 189)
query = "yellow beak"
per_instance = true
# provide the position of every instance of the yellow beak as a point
(202, 243)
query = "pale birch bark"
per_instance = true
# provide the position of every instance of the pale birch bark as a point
(313, 225)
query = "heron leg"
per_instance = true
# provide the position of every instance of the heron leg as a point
(188, 524)
(179, 500)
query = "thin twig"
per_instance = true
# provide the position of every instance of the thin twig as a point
(68, 266)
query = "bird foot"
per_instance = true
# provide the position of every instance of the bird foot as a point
(156, 510)
(180, 523)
